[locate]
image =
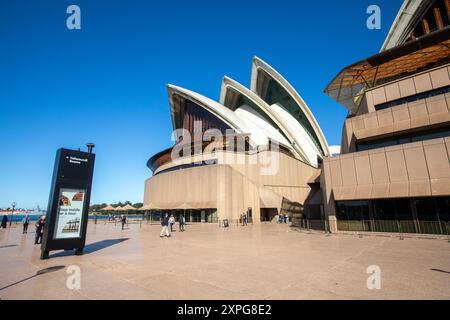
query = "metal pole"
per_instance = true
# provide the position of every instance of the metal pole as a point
(12, 214)
(399, 230)
(440, 226)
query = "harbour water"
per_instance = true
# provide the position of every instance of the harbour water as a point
(35, 217)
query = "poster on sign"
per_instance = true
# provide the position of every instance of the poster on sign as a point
(70, 213)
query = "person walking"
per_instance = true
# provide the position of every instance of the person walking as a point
(25, 221)
(244, 219)
(285, 218)
(123, 219)
(165, 226)
(4, 221)
(171, 222)
(182, 222)
(39, 230)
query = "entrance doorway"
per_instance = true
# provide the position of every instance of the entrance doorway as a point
(268, 214)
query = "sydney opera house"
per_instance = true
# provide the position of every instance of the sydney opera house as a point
(281, 151)
(259, 151)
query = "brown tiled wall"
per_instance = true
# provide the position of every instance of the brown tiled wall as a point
(406, 87)
(409, 170)
(423, 113)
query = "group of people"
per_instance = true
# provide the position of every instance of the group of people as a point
(122, 218)
(282, 218)
(4, 221)
(168, 223)
(25, 223)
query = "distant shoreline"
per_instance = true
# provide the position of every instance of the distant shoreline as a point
(18, 213)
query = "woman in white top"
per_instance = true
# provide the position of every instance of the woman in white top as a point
(171, 222)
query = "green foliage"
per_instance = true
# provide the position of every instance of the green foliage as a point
(98, 207)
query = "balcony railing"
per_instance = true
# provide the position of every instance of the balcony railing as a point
(396, 226)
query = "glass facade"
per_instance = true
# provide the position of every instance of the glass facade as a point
(190, 215)
(197, 215)
(194, 113)
(273, 93)
(430, 215)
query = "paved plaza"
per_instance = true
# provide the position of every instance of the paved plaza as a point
(266, 261)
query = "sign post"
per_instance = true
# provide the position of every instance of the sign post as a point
(68, 206)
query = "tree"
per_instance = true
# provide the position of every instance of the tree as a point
(138, 205)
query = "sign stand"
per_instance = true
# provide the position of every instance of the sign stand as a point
(68, 207)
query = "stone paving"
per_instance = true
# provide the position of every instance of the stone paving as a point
(267, 261)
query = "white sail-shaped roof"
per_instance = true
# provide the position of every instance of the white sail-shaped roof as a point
(315, 135)
(271, 111)
(279, 119)
(238, 124)
(255, 123)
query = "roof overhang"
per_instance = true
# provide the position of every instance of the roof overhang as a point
(407, 18)
(349, 86)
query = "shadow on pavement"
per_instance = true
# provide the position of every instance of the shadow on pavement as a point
(8, 246)
(38, 273)
(92, 247)
(96, 246)
(439, 270)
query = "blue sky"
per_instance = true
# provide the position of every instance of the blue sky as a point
(106, 82)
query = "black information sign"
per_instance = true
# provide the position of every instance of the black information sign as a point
(68, 206)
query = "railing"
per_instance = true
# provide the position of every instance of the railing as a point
(396, 226)
(232, 222)
(132, 219)
(308, 224)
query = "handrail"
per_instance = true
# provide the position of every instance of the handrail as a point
(448, 231)
(396, 226)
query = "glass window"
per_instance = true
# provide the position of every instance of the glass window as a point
(384, 209)
(443, 208)
(273, 93)
(403, 209)
(352, 210)
(194, 112)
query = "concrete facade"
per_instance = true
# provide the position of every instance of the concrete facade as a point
(430, 112)
(395, 149)
(283, 149)
(233, 185)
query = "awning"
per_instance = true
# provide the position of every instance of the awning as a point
(150, 206)
(349, 86)
(128, 208)
(108, 208)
